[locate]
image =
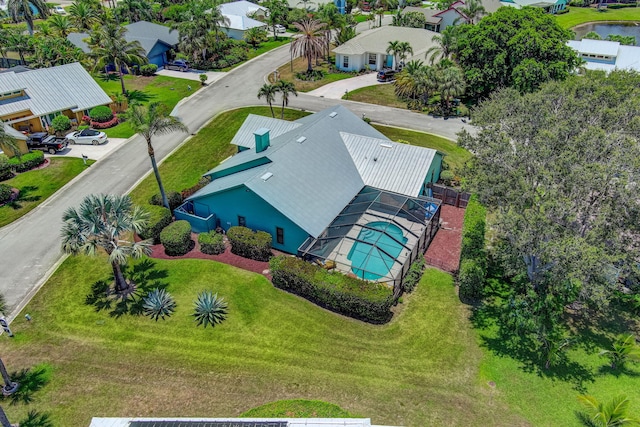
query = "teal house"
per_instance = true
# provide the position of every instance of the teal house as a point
(311, 182)
(549, 6)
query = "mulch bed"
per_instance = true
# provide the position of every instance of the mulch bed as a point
(444, 250)
(43, 165)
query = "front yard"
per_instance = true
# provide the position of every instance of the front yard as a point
(300, 65)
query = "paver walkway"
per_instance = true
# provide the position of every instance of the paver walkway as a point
(444, 250)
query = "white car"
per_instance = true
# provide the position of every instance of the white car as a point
(87, 136)
(59, 10)
(280, 28)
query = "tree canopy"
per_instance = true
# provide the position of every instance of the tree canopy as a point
(520, 48)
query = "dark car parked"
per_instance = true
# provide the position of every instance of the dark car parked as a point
(178, 64)
(386, 75)
(45, 142)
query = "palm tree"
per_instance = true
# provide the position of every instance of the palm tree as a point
(23, 9)
(254, 36)
(393, 49)
(134, 10)
(269, 93)
(416, 83)
(285, 88)
(7, 141)
(196, 25)
(344, 34)
(102, 222)
(61, 24)
(473, 10)
(113, 48)
(623, 349)
(450, 84)
(18, 42)
(445, 45)
(10, 386)
(82, 15)
(404, 49)
(610, 414)
(149, 121)
(310, 43)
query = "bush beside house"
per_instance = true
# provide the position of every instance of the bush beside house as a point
(102, 117)
(473, 256)
(250, 244)
(5, 193)
(27, 161)
(159, 218)
(211, 243)
(176, 238)
(174, 198)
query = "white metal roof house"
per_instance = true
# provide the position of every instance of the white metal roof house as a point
(549, 6)
(606, 55)
(369, 49)
(294, 180)
(231, 422)
(29, 100)
(240, 17)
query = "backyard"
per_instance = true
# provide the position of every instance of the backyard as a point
(582, 15)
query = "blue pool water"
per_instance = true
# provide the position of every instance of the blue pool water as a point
(369, 262)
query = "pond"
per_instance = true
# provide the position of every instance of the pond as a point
(606, 28)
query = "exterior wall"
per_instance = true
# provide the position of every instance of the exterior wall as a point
(356, 62)
(259, 215)
(560, 5)
(158, 55)
(28, 125)
(233, 34)
(433, 174)
(448, 18)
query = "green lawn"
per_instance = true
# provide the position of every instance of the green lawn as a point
(582, 15)
(37, 185)
(300, 65)
(263, 48)
(377, 94)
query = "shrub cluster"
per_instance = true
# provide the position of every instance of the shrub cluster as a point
(366, 301)
(26, 161)
(174, 198)
(176, 238)
(250, 244)
(61, 123)
(5, 193)
(105, 125)
(413, 275)
(473, 257)
(5, 168)
(613, 6)
(148, 69)
(159, 218)
(211, 243)
(101, 114)
(311, 76)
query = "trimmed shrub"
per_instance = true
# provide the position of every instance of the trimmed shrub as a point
(471, 280)
(473, 256)
(211, 243)
(350, 296)
(413, 275)
(148, 69)
(176, 238)
(27, 161)
(61, 123)
(5, 193)
(5, 168)
(101, 114)
(447, 177)
(188, 192)
(174, 198)
(250, 244)
(105, 125)
(159, 218)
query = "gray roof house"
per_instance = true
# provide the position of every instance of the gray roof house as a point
(240, 17)
(155, 39)
(30, 99)
(316, 184)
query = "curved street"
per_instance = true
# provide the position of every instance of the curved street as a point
(30, 247)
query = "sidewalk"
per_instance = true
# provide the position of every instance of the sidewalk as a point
(337, 90)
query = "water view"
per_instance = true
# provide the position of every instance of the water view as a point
(605, 29)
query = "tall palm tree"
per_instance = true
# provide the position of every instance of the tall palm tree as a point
(23, 9)
(4, 42)
(609, 414)
(450, 84)
(18, 42)
(416, 83)
(310, 43)
(134, 10)
(344, 34)
(110, 47)
(473, 10)
(393, 49)
(404, 50)
(82, 15)
(197, 24)
(285, 88)
(9, 386)
(150, 121)
(269, 93)
(102, 222)
(60, 24)
(445, 43)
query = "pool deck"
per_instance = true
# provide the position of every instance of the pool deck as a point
(444, 250)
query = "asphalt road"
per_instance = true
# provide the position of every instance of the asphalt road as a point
(30, 247)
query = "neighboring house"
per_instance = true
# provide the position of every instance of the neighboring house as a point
(20, 141)
(549, 6)
(240, 16)
(368, 50)
(155, 39)
(606, 55)
(29, 100)
(323, 187)
(438, 20)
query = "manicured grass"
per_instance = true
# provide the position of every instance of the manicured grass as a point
(263, 48)
(582, 15)
(300, 65)
(377, 94)
(420, 369)
(37, 185)
(298, 408)
(456, 156)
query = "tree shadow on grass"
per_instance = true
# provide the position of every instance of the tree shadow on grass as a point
(24, 196)
(624, 370)
(30, 380)
(139, 97)
(144, 278)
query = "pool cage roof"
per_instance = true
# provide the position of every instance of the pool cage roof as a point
(374, 235)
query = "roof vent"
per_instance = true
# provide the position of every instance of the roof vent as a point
(333, 114)
(266, 176)
(301, 139)
(386, 145)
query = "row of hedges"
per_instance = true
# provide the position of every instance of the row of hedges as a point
(413, 275)
(350, 296)
(473, 256)
(17, 165)
(211, 243)
(159, 218)
(250, 244)
(176, 238)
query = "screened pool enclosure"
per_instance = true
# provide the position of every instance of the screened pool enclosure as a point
(376, 236)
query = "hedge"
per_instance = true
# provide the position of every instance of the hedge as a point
(5, 168)
(61, 123)
(159, 218)
(27, 161)
(105, 125)
(5, 193)
(473, 257)
(148, 69)
(350, 296)
(101, 114)
(413, 275)
(471, 279)
(176, 238)
(173, 197)
(250, 244)
(211, 243)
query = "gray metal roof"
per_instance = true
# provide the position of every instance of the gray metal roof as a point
(78, 40)
(54, 89)
(229, 181)
(290, 422)
(14, 133)
(377, 40)
(390, 166)
(245, 138)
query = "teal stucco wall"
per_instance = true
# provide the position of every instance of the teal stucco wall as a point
(259, 215)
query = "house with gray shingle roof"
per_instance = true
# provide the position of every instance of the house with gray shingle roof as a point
(320, 182)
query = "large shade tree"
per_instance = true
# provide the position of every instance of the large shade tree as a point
(560, 169)
(150, 121)
(310, 43)
(26, 10)
(102, 222)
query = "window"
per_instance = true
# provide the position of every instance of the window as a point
(280, 235)
(345, 62)
(373, 59)
(242, 221)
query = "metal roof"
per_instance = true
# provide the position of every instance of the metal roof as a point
(241, 7)
(245, 138)
(230, 422)
(390, 166)
(595, 47)
(147, 33)
(54, 89)
(377, 40)
(241, 22)
(14, 133)
(229, 181)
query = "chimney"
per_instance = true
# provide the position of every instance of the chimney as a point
(262, 139)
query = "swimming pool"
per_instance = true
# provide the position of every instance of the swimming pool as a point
(367, 260)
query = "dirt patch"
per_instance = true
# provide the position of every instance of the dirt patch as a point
(444, 250)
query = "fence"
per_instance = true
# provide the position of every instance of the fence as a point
(8, 62)
(449, 196)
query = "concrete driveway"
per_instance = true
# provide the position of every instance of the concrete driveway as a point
(337, 90)
(94, 152)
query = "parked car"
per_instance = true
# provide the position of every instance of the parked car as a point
(365, 6)
(280, 28)
(59, 10)
(178, 64)
(386, 75)
(87, 136)
(44, 142)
